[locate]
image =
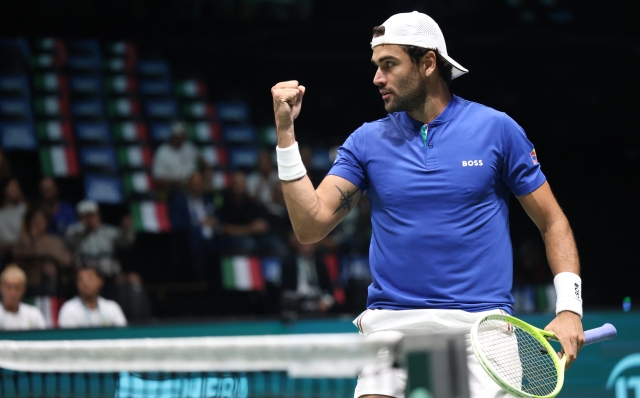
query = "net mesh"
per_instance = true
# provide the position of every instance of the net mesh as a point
(518, 357)
(305, 366)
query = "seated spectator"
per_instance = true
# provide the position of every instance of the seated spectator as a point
(175, 160)
(244, 222)
(11, 214)
(15, 315)
(193, 218)
(261, 182)
(5, 170)
(88, 309)
(95, 244)
(60, 213)
(306, 286)
(41, 254)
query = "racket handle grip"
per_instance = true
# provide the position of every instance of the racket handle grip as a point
(604, 332)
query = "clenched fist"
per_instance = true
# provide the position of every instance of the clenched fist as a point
(287, 100)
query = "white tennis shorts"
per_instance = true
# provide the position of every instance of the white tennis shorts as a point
(389, 381)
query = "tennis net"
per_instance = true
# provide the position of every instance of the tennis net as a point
(313, 366)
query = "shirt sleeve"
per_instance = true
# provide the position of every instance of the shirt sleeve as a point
(117, 316)
(159, 163)
(520, 170)
(38, 320)
(66, 318)
(349, 161)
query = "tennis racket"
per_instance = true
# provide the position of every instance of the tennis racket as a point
(520, 359)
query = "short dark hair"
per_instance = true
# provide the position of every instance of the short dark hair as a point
(416, 53)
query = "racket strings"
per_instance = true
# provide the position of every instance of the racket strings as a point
(517, 357)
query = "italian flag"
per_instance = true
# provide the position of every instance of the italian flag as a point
(242, 273)
(54, 131)
(220, 180)
(150, 217)
(198, 110)
(204, 132)
(134, 156)
(52, 106)
(139, 182)
(130, 132)
(119, 64)
(123, 107)
(51, 82)
(191, 88)
(49, 306)
(59, 161)
(121, 84)
(213, 156)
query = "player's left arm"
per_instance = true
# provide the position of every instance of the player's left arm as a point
(562, 255)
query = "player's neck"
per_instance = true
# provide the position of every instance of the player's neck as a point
(438, 98)
(11, 307)
(90, 302)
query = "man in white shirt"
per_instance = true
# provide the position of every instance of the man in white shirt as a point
(15, 315)
(88, 309)
(175, 160)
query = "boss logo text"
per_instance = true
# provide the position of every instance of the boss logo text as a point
(466, 163)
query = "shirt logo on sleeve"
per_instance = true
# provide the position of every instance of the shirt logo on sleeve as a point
(534, 157)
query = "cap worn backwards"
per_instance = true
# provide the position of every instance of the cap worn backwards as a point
(420, 30)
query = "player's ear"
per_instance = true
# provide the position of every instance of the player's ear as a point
(429, 63)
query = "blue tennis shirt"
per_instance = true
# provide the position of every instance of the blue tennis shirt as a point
(440, 205)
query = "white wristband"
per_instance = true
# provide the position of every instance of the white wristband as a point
(569, 292)
(290, 165)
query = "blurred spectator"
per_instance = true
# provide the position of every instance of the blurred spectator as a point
(15, 315)
(278, 216)
(88, 309)
(194, 222)
(175, 160)
(95, 244)
(244, 222)
(306, 286)
(11, 214)
(316, 176)
(261, 182)
(40, 254)
(5, 170)
(59, 213)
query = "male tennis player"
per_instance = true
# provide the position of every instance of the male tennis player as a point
(439, 171)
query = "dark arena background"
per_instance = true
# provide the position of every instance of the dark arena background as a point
(98, 85)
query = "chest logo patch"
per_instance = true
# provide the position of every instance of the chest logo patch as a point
(466, 163)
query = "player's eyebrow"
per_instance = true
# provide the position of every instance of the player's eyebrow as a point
(382, 59)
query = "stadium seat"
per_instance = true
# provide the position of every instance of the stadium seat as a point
(123, 49)
(51, 82)
(18, 136)
(119, 65)
(84, 55)
(233, 112)
(99, 158)
(93, 133)
(88, 108)
(198, 110)
(161, 108)
(15, 108)
(243, 134)
(103, 189)
(160, 132)
(154, 68)
(49, 53)
(191, 88)
(156, 87)
(243, 158)
(16, 84)
(86, 85)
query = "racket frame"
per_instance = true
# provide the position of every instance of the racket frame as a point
(540, 335)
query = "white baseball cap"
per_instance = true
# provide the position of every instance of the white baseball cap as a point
(420, 30)
(86, 207)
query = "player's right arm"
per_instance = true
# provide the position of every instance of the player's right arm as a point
(313, 213)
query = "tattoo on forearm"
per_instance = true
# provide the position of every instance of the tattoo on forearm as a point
(345, 199)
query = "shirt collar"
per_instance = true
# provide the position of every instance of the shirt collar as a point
(447, 114)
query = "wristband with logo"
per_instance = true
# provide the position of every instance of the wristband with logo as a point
(569, 292)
